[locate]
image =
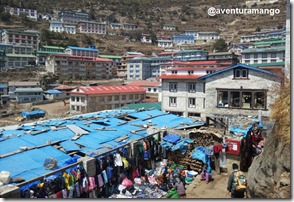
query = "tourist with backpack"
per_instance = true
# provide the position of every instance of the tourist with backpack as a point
(237, 183)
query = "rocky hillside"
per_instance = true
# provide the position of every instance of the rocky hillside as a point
(150, 16)
(269, 175)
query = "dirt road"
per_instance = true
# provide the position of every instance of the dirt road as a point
(214, 189)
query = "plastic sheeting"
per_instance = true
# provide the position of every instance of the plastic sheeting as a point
(32, 114)
(69, 146)
(29, 164)
(199, 154)
(171, 138)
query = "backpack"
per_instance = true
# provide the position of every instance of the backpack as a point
(240, 182)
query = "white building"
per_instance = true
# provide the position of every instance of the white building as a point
(263, 55)
(29, 13)
(69, 16)
(207, 36)
(169, 27)
(92, 27)
(253, 89)
(79, 67)
(259, 36)
(146, 38)
(58, 26)
(164, 41)
(25, 91)
(91, 51)
(86, 99)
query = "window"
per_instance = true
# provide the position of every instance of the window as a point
(78, 99)
(194, 114)
(247, 56)
(255, 55)
(255, 61)
(223, 98)
(240, 74)
(191, 87)
(130, 96)
(235, 99)
(274, 55)
(123, 97)
(246, 61)
(109, 98)
(116, 97)
(191, 102)
(203, 103)
(246, 100)
(264, 61)
(242, 98)
(173, 87)
(190, 72)
(264, 55)
(259, 100)
(174, 72)
(172, 101)
(203, 87)
(273, 60)
(154, 89)
(82, 99)
(149, 89)
(72, 98)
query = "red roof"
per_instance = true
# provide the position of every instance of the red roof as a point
(144, 83)
(166, 53)
(175, 76)
(132, 56)
(193, 68)
(64, 87)
(94, 90)
(75, 57)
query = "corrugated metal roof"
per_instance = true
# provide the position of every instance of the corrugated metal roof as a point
(29, 163)
(144, 83)
(81, 48)
(23, 90)
(53, 91)
(108, 90)
(147, 105)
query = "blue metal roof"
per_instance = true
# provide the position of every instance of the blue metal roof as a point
(53, 91)
(237, 66)
(3, 86)
(81, 48)
(104, 132)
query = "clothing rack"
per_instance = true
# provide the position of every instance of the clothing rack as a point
(79, 162)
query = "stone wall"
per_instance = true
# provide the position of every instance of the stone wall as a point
(257, 80)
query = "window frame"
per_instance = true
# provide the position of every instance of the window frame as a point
(192, 89)
(253, 102)
(241, 73)
(173, 87)
(172, 101)
(190, 104)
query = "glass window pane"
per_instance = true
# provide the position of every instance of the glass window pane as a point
(259, 100)
(235, 99)
(246, 100)
(223, 97)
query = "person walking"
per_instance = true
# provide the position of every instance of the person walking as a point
(206, 173)
(233, 183)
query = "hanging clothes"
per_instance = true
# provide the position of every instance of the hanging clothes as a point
(117, 160)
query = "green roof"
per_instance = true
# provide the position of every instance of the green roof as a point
(189, 51)
(269, 42)
(28, 90)
(49, 52)
(221, 53)
(269, 64)
(111, 56)
(20, 55)
(146, 105)
(256, 50)
(54, 47)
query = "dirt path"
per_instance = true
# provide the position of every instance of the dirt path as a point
(214, 189)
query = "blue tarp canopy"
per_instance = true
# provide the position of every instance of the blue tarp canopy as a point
(172, 138)
(53, 91)
(32, 114)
